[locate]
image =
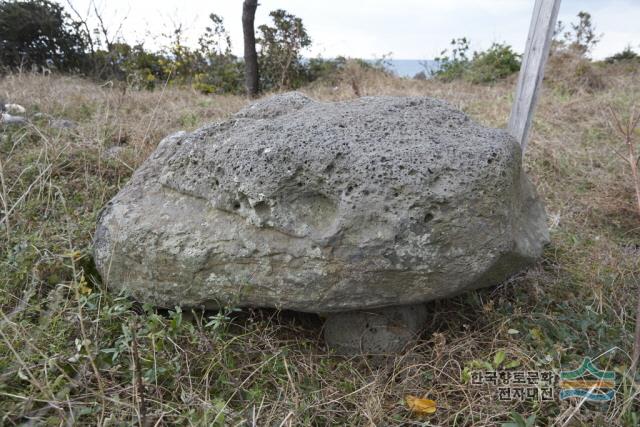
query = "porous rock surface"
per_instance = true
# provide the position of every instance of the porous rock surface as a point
(323, 207)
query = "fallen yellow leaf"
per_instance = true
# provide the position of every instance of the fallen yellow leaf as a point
(420, 406)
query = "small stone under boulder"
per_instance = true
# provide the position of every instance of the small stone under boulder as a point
(323, 207)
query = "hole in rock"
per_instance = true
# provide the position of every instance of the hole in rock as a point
(330, 167)
(262, 209)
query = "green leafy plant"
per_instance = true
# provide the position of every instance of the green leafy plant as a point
(452, 64)
(39, 33)
(221, 320)
(280, 46)
(626, 55)
(518, 420)
(221, 72)
(495, 63)
(581, 38)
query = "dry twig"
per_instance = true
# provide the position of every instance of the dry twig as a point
(627, 130)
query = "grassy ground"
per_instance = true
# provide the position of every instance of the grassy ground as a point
(72, 353)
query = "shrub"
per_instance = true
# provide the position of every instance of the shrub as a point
(495, 63)
(569, 68)
(325, 70)
(580, 39)
(627, 55)
(223, 75)
(453, 66)
(420, 76)
(221, 72)
(210, 68)
(38, 33)
(570, 72)
(279, 55)
(140, 68)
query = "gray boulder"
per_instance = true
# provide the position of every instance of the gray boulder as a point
(323, 207)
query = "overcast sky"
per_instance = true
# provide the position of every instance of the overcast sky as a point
(409, 29)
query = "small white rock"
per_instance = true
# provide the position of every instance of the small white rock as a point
(12, 120)
(15, 108)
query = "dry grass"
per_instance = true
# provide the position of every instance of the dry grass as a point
(73, 353)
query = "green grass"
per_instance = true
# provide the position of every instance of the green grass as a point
(72, 352)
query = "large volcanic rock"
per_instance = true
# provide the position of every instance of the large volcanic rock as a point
(323, 207)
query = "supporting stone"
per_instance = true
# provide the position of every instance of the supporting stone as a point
(379, 331)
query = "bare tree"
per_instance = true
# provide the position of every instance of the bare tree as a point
(103, 28)
(83, 21)
(251, 75)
